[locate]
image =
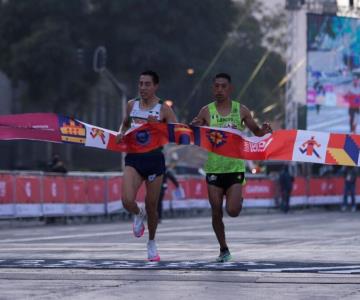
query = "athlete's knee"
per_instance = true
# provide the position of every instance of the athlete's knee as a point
(234, 211)
(125, 201)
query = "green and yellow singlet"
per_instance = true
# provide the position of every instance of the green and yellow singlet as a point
(218, 163)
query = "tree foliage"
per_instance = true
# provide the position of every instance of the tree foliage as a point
(40, 42)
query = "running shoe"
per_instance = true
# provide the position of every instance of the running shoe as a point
(224, 256)
(138, 224)
(152, 251)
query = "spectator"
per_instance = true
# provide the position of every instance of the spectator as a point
(353, 98)
(349, 188)
(169, 174)
(286, 181)
(57, 165)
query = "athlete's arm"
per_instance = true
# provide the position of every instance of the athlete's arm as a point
(168, 115)
(125, 124)
(250, 123)
(203, 118)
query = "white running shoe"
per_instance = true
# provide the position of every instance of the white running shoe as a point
(152, 251)
(138, 223)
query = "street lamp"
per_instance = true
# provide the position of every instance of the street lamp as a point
(99, 66)
(190, 71)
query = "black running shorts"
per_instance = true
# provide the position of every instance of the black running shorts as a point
(225, 180)
(148, 165)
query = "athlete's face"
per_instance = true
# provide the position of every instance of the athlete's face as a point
(147, 88)
(222, 89)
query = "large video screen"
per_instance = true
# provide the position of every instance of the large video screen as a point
(333, 73)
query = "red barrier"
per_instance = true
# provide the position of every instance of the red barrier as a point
(357, 191)
(30, 195)
(326, 186)
(6, 189)
(76, 196)
(299, 187)
(96, 190)
(196, 189)
(54, 195)
(338, 183)
(114, 203)
(54, 189)
(76, 190)
(259, 188)
(27, 189)
(114, 188)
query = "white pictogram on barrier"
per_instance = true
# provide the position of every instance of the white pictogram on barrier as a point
(53, 189)
(2, 188)
(257, 189)
(115, 189)
(28, 189)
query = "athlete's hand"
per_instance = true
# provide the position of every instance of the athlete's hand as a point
(196, 122)
(119, 138)
(266, 128)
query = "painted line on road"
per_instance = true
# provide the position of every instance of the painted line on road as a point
(352, 271)
(98, 234)
(113, 264)
(307, 268)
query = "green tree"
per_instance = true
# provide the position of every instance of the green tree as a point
(38, 45)
(249, 41)
(169, 36)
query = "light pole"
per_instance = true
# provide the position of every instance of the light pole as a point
(99, 66)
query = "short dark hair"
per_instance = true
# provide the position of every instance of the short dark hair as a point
(153, 74)
(223, 75)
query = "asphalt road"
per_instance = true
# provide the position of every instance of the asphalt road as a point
(303, 255)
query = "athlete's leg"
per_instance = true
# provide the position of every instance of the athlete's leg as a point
(352, 116)
(234, 200)
(216, 195)
(346, 191)
(160, 203)
(352, 194)
(130, 185)
(151, 202)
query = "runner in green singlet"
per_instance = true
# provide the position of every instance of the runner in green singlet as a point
(224, 175)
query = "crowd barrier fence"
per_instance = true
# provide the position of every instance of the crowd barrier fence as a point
(35, 195)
